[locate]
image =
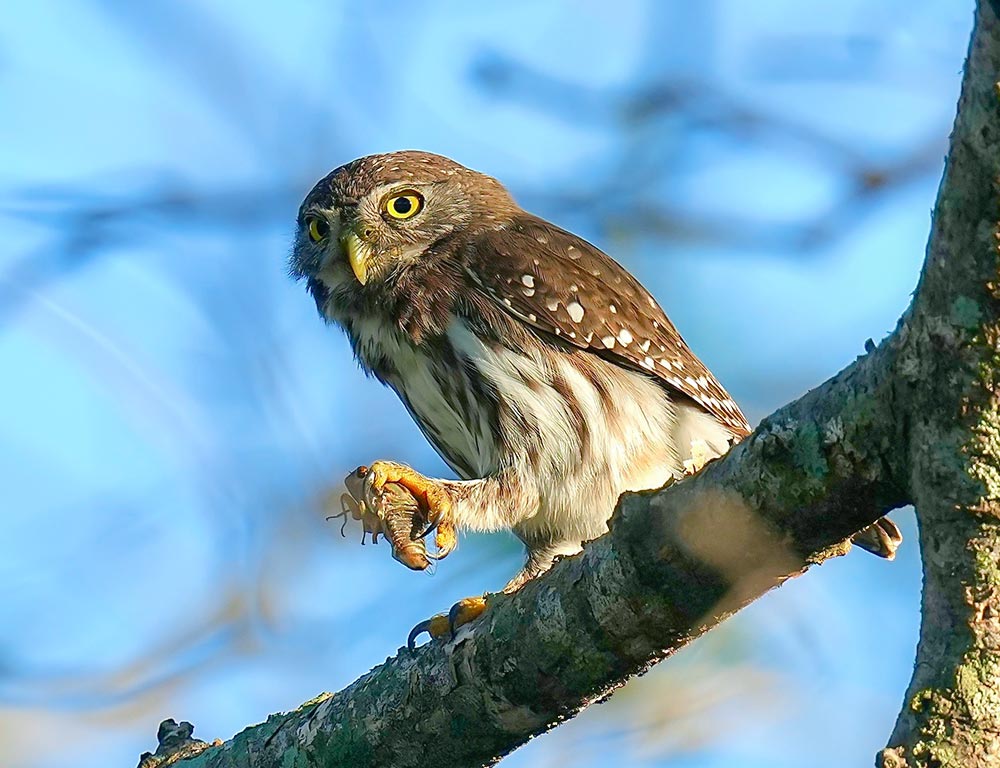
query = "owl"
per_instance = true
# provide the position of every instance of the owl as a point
(545, 375)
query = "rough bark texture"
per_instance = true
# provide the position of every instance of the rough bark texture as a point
(949, 376)
(915, 420)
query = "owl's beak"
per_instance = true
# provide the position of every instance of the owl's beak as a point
(358, 253)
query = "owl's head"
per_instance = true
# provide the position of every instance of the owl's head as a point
(369, 220)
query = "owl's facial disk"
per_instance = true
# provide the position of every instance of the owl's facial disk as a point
(335, 243)
(371, 219)
(385, 230)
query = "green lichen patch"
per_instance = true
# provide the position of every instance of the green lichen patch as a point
(965, 313)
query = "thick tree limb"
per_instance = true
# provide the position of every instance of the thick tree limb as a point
(917, 419)
(949, 378)
(675, 564)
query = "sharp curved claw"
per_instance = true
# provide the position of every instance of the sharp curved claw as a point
(436, 626)
(453, 618)
(429, 529)
(417, 631)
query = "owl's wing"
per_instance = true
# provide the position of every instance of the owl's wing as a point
(562, 285)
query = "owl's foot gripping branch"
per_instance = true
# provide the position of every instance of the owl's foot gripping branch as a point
(444, 625)
(409, 506)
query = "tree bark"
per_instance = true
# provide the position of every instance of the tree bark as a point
(916, 420)
(949, 376)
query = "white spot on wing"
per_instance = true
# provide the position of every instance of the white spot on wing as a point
(575, 311)
(624, 337)
(608, 341)
(528, 291)
(528, 281)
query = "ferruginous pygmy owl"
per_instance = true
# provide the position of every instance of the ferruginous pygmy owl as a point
(543, 373)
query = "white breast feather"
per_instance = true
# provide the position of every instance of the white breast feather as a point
(635, 445)
(423, 396)
(631, 448)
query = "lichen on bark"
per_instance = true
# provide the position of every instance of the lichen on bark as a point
(950, 375)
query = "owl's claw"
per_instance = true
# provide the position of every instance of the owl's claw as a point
(443, 625)
(432, 496)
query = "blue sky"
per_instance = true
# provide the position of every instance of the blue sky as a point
(173, 409)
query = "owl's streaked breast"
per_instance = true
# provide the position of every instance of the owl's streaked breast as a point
(579, 429)
(451, 407)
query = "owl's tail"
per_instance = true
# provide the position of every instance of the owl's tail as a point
(881, 538)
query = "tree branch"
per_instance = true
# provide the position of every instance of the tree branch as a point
(674, 565)
(949, 376)
(917, 419)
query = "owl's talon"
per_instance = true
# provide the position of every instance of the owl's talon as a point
(445, 540)
(428, 530)
(444, 625)
(466, 610)
(436, 626)
(433, 498)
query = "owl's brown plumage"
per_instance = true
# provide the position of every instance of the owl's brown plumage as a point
(564, 286)
(538, 367)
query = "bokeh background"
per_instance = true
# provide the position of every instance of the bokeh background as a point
(174, 412)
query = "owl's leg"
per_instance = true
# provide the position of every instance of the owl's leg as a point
(469, 609)
(487, 504)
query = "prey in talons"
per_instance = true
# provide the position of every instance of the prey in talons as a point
(396, 514)
(428, 508)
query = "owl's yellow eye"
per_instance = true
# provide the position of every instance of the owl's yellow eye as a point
(404, 204)
(318, 228)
